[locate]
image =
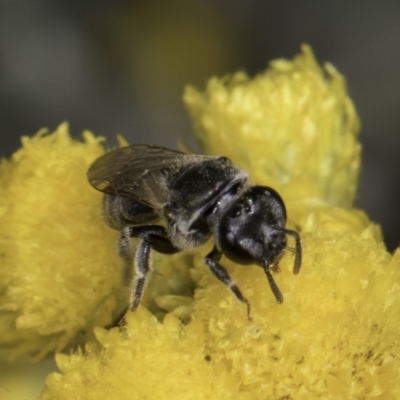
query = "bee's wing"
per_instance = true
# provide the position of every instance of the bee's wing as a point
(141, 172)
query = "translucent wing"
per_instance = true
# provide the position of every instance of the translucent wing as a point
(141, 172)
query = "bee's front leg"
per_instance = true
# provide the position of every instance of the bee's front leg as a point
(212, 261)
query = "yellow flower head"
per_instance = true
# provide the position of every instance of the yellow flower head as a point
(58, 264)
(292, 126)
(334, 337)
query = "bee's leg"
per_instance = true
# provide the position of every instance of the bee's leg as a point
(125, 251)
(222, 274)
(151, 237)
(142, 267)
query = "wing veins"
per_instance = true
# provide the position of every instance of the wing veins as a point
(140, 172)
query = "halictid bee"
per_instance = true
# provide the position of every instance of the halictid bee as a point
(172, 201)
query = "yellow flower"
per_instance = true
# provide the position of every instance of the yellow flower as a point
(293, 126)
(335, 336)
(57, 275)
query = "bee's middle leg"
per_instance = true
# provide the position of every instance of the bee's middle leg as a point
(151, 237)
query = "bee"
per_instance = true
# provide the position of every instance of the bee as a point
(171, 201)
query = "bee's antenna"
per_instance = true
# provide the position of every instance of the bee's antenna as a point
(274, 287)
(297, 250)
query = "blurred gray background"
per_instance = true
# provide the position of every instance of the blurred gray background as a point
(121, 66)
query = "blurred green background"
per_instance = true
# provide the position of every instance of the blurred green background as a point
(121, 67)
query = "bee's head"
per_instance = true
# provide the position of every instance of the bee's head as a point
(252, 229)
